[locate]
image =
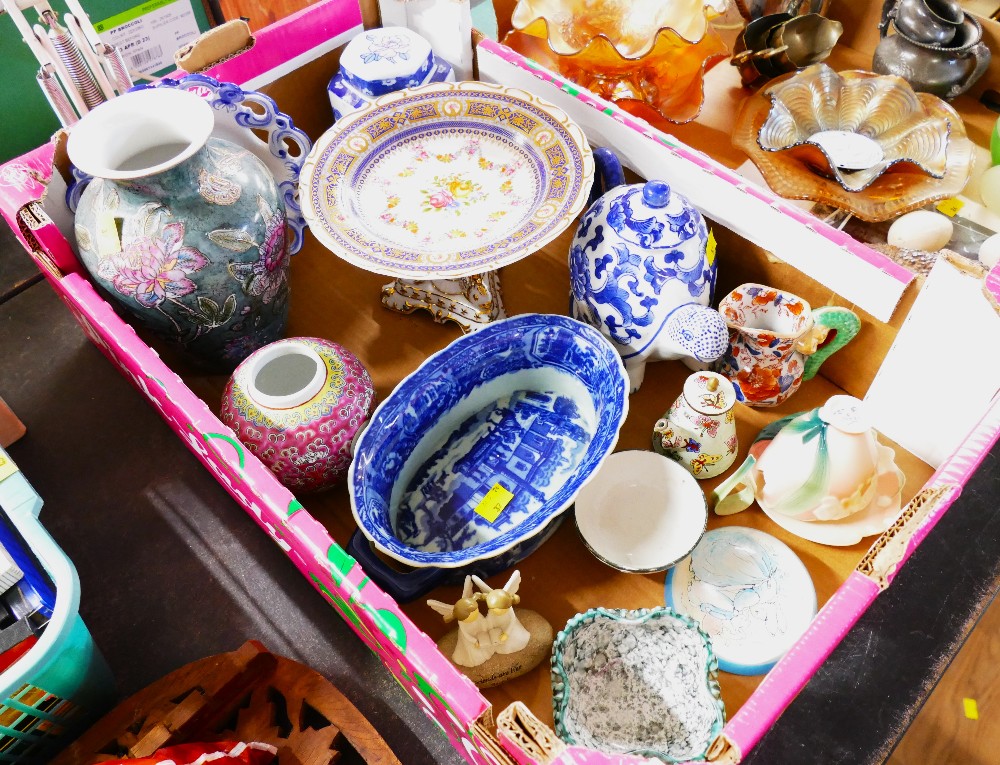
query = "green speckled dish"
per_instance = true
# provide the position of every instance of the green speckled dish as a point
(637, 682)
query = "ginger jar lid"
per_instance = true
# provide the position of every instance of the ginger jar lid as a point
(709, 393)
(385, 60)
(651, 215)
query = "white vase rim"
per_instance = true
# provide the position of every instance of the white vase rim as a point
(137, 121)
(272, 352)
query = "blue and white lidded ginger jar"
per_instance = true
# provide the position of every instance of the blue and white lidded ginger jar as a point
(380, 61)
(641, 273)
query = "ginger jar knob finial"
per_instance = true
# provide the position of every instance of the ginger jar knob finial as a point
(656, 193)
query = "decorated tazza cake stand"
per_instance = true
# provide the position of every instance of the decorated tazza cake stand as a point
(440, 186)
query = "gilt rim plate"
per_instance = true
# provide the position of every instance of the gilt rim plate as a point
(446, 181)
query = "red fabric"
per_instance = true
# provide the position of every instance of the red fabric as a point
(220, 752)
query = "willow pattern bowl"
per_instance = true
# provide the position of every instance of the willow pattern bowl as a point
(637, 682)
(486, 444)
(854, 127)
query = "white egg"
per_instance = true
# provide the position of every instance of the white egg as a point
(989, 188)
(921, 230)
(989, 251)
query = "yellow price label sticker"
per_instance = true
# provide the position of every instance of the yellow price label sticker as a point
(710, 247)
(7, 467)
(494, 502)
(950, 206)
(971, 709)
(109, 241)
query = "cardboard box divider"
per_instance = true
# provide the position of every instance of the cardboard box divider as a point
(337, 301)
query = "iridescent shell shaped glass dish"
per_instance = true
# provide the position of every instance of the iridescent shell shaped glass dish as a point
(648, 57)
(884, 114)
(855, 140)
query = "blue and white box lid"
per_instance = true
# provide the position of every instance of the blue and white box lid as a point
(380, 61)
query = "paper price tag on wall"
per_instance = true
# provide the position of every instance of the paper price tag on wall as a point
(147, 35)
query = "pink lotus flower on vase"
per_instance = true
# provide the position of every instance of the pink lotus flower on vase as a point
(153, 269)
(273, 249)
(266, 277)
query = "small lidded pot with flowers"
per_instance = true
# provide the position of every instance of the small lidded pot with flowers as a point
(298, 405)
(699, 429)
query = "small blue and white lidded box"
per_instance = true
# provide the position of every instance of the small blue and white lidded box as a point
(380, 61)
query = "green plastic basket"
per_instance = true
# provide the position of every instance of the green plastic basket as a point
(62, 684)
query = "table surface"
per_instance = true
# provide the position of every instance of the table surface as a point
(172, 569)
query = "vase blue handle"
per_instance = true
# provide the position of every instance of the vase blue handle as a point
(609, 173)
(400, 586)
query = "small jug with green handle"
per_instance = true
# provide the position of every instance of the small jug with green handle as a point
(776, 341)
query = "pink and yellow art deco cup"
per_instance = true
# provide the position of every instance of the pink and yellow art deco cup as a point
(821, 474)
(298, 404)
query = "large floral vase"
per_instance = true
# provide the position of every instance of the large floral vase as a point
(196, 253)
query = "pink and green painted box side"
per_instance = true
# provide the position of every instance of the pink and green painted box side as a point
(446, 696)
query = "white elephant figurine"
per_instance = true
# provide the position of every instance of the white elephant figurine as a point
(640, 272)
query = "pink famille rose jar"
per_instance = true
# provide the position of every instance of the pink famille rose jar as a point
(298, 404)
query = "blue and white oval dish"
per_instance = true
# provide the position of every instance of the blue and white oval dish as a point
(486, 443)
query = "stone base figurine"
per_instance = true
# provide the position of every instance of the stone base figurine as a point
(500, 645)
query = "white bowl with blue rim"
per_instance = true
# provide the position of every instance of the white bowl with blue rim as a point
(749, 591)
(472, 459)
(380, 61)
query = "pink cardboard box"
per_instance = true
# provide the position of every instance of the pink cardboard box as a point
(31, 200)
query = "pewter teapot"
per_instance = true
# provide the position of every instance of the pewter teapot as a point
(937, 47)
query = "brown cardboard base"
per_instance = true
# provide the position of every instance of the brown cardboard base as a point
(334, 300)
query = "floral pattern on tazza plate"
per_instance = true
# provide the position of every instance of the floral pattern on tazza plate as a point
(445, 181)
